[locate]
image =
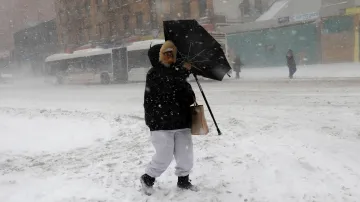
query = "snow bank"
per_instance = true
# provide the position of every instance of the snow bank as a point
(21, 134)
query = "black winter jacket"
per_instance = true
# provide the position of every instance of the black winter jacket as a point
(168, 96)
(291, 62)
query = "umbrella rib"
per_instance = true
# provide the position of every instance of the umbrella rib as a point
(181, 60)
(197, 55)
(189, 51)
(182, 54)
(206, 60)
(197, 68)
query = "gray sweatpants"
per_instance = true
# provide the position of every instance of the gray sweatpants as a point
(169, 143)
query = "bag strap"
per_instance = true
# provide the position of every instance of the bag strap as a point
(195, 103)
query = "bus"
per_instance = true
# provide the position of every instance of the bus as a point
(84, 66)
(97, 65)
(138, 60)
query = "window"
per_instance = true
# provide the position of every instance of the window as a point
(81, 36)
(87, 6)
(153, 14)
(63, 16)
(78, 9)
(78, 12)
(172, 8)
(161, 7)
(153, 20)
(126, 22)
(125, 2)
(202, 8)
(99, 4)
(125, 6)
(99, 31)
(337, 24)
(88, 30)
(103, 30)
(258, 6)
(81, 24)
(139, 20)
(48, 36)
(112, 28)
(64, 37)
(245, 8)
(113, 4)
(60, 17)
(186, 8)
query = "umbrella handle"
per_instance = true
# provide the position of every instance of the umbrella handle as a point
(207, 104)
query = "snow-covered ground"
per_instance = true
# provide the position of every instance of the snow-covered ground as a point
(283, 140)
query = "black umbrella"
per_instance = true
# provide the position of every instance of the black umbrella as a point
(196, 46)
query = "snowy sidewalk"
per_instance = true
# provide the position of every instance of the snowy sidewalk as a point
(283, 141)
(346, 70)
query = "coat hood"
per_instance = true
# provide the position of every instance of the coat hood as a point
(154, 54)
(166, 47)
(290, 53)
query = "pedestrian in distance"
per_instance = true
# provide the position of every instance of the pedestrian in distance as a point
(291, 63)
(237, 66)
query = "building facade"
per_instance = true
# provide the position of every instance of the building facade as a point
(242, 11)
(34, 44)
(85, 22)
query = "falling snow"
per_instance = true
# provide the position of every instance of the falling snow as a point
(72, 126)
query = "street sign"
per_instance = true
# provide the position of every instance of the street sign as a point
(305, 17)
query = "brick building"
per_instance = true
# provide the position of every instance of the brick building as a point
(117, 21)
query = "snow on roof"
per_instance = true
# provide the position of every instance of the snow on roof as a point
(274, 9)
(58, 56)
(144, 45)
(92, 52)
(139, 45)
(78, 54)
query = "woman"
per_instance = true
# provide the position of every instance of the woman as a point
(167, 101)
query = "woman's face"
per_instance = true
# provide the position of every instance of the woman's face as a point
(169, 58)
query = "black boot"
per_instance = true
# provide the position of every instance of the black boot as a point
(147, 183)
(185, 183)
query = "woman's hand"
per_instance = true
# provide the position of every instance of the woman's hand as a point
(187, 66)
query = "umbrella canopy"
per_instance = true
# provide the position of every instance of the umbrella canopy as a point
(197, 46)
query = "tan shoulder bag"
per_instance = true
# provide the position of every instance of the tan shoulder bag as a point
(199, 124)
